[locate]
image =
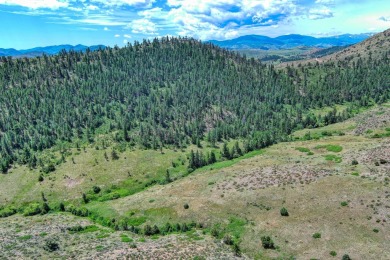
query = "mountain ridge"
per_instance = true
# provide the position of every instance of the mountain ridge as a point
(48, 50)
(289, 41)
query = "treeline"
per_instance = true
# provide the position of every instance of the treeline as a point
(169, 92)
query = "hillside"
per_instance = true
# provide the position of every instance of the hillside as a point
(180, 149)
(374, 47)
(335, 184)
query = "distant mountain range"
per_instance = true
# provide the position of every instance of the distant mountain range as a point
(290, 41)
(244, 42)
(49, 50)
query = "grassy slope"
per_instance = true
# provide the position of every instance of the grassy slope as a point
(309, 186)
(375, 47)
(252, 190)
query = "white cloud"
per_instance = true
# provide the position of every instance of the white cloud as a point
(138, 3)
(127, 36)
(105, 29)
(322, 13)
(222, 19)
(143, 26)
(125, 41)
(117, 35)
(35, 4)
(92, 7)
(324, 1)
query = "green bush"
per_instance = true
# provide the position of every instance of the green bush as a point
(96, 189)
(8, 211)
(186, 206)
(333, 253)
(355, 162)
(32, 209)
(48, 168)
(317, 235)
(346, 257)
(267, 242)
(344, 203)
(284, 212)
(51, 246)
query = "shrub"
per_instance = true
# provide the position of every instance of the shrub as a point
(32, 209)
(49, 168)
(346, 257)
(284, 212)
(228, 240)
(236, 249)
(51, 246)
(8, 211)
(96, 189)
(344, 203)
(267, 242)
(45, 208)
(317, 235)
(40, 178)
(85, 199)
(382, 161)
(114, 155)
(355, 162)
(375, 230)
(333, 253)
(186, 206)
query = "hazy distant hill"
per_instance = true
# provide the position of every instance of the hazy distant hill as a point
(48, 50)
(290, 41)
(375, 46)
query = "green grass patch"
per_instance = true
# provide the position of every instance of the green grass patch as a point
(334, 158)
(330, 148)
(344, 203)
(302, 149)
(224, 164)
(236, 227)
(99, 248)
(81, 229)
(136, 221)
(105, 235)
(126, 239)
(24, 238)
(355, 174)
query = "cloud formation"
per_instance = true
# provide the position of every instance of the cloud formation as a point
(35, 4)
(203, 19)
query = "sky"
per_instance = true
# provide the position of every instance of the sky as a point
(32, 23)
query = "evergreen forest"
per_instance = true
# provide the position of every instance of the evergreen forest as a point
(172, 92)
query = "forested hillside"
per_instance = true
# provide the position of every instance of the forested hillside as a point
(170, 92)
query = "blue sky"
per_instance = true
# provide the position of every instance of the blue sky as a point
(31, 23)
